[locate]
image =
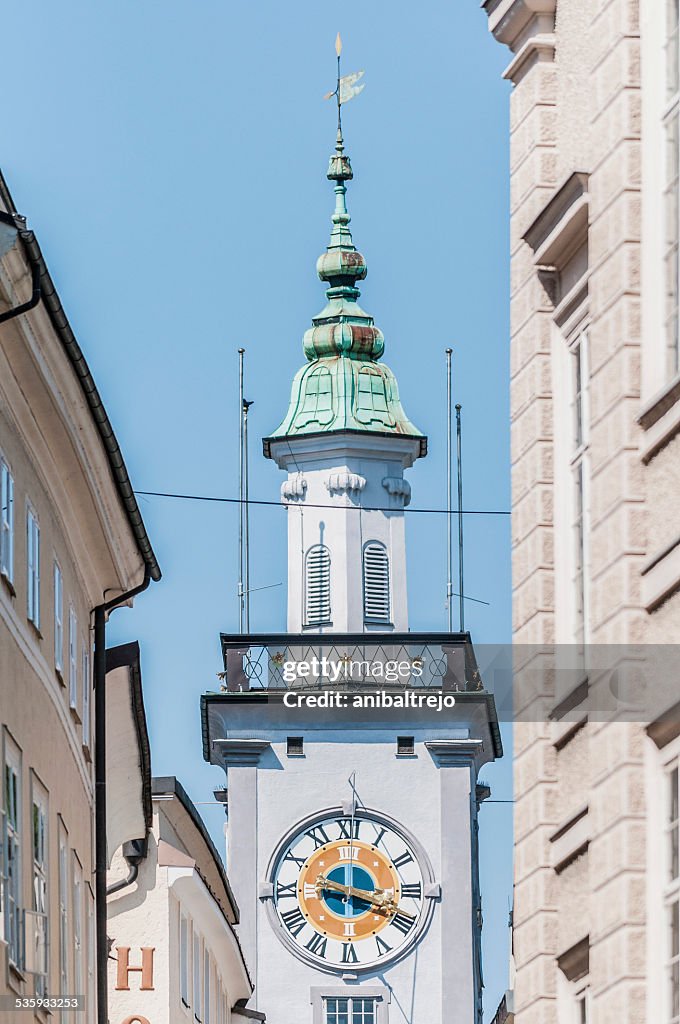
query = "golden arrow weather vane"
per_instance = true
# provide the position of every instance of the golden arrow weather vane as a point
(346, 88)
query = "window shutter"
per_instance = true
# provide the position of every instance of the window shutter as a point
(376, 582)
(318, 585)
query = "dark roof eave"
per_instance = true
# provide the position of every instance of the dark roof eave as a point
(64, 332)
(268, 441)
(128, 656)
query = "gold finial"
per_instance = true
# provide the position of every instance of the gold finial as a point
(338, 44)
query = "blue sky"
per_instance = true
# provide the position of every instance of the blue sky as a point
(171, 158)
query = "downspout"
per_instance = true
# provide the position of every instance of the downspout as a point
(9, 314)
(100, 789)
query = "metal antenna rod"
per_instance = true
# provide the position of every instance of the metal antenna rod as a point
(449, 493)
(246, 517)
(460, 521)
(241, 606)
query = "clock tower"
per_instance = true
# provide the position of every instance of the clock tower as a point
(352, 746)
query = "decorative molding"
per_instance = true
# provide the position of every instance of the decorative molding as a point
(575, 962)
(294, 489)
(397, 487)
(241, 753)
(455, 753)
(660, 577)
(562, 225)
(512, 21)
(666, 727)
(345, 483)
(537, 49)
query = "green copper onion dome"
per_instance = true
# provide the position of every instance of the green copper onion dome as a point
(343, 387)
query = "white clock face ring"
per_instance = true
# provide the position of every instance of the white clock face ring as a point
(348, 896)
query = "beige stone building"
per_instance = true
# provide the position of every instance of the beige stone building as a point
(71, 538)
(175, 957)
(595, 404)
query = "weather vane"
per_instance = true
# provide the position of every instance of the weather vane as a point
(346, 88)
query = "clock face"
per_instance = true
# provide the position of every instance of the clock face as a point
(349, 895)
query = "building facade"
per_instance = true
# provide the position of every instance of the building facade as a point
(595, 482)
(70, 533)
(352, 825)
(175, 957)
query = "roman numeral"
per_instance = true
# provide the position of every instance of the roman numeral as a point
(297, 860)
(404, 858)
(294, 921)
(349, 928)
(349, 953)
(415, 890)
(381, 833)
(382, 946)
(345, 825)
(310, 892)
(285, 890)
(315, 837)
(402, 923)
(317, 944)
(349, 853)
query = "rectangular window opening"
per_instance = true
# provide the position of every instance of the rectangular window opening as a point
(406, 745)
(295, 746)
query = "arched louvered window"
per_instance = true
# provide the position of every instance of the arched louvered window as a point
(318, 586)
(376, 582)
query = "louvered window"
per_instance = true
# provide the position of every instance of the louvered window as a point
(318, 586)
(376, 583)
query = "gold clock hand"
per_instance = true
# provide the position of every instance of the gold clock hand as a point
(376, 898)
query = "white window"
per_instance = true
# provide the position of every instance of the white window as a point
(78, 929)
(58, 619)
(64, 888)
(578, 354)
(6, 522)
(671, 190)
(318, 586)
(33, 568)
(184, 959)
(206, 987)
(37, 924)
(12, 851)
(87, 691)
(72, 659)
(198, 968)
(376, 582)
(346, 1010)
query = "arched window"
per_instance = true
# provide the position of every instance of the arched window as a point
(318, 586)
(376, 582)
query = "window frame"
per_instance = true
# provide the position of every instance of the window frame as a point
(184, 959)
(12, 839)
(7, 504)
(32, 566)
(40, 868)
(86, 663)
(77, 908)
(64, 887)
(380, 994)
(372, 547)
(72, 658)
(58, 587)
(323, 616)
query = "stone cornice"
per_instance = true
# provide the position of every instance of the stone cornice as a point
(455, 753)
(241, 753)
(562, 225)
(510, 21)
(537, 48)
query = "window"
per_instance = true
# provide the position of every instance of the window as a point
(578, 454)
(87, 692)
(33, 568)
(72, 659)
(672, 896)
(376, 582)
(77, 927)
(12, 848)
(184, 959)
(318, 586)
(58, 619)
(206, 987)
(6, 522)
(295, 746)
(37, 947)
(406, 745)
(671, 190)
(197, 977)
(63, 912)
(345, 1010)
